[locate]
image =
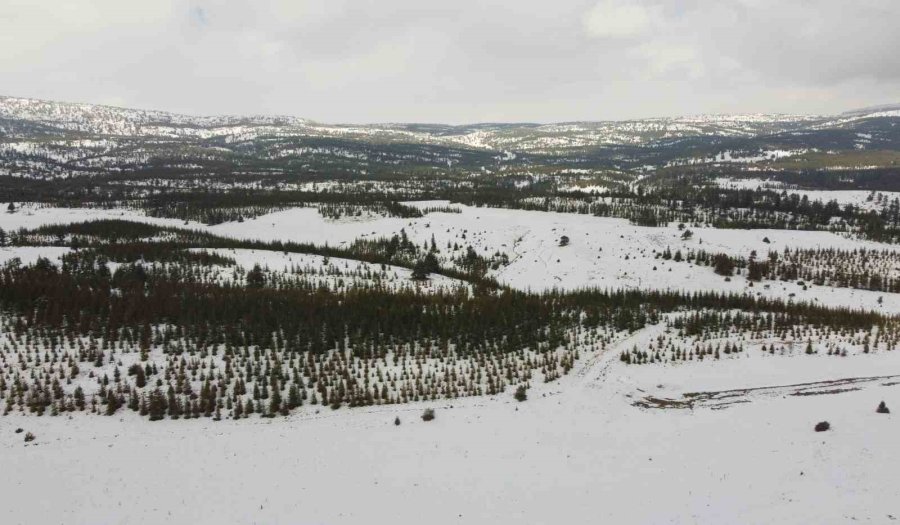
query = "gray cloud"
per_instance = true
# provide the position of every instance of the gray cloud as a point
(469, 60)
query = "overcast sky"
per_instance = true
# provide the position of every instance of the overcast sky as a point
(455, 60)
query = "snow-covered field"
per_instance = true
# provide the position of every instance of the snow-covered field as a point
(588, 448)
(577, 451)
(866, 200)
(602, 252)
(335, 273)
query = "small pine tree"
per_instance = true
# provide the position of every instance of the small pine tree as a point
(140, 379)
(79, 398)
(112, 403)
(520, 394)
(293, 397)
(420, 271)
(156, 405)
(256, 278)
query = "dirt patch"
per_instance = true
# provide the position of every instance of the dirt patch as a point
(725, 398)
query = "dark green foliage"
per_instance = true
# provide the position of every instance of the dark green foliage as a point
(756, 270)
(426, 265)
(125, 241)
(723, 265)
(256, 278)
(865, 269)
(521, 393)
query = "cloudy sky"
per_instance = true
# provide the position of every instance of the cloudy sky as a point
(455, 60)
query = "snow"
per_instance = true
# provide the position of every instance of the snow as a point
(586, 188)
(30, 254)
(338, 273)
(30, 216)
(729, 156)
(859, 198)
(596, 255)
(603, 252)
(578, 451)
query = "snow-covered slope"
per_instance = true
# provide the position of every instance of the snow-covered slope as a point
(578, 451)
(602, 252)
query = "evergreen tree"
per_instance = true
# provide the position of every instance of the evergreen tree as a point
(255, 277)
(79, 398)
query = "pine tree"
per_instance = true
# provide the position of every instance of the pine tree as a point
(112, 403)
(294, 399)
(274, 402)
(156, 406)
(79, 398)
(255, 277)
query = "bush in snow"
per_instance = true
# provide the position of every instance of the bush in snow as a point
(520, 394)
(29, 437)
(882, 408)
(822, 426)
(428, 415)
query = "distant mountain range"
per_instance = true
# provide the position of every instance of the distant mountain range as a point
(57, 139)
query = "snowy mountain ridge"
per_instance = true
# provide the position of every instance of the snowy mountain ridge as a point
(46, 139)
(115, 121)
